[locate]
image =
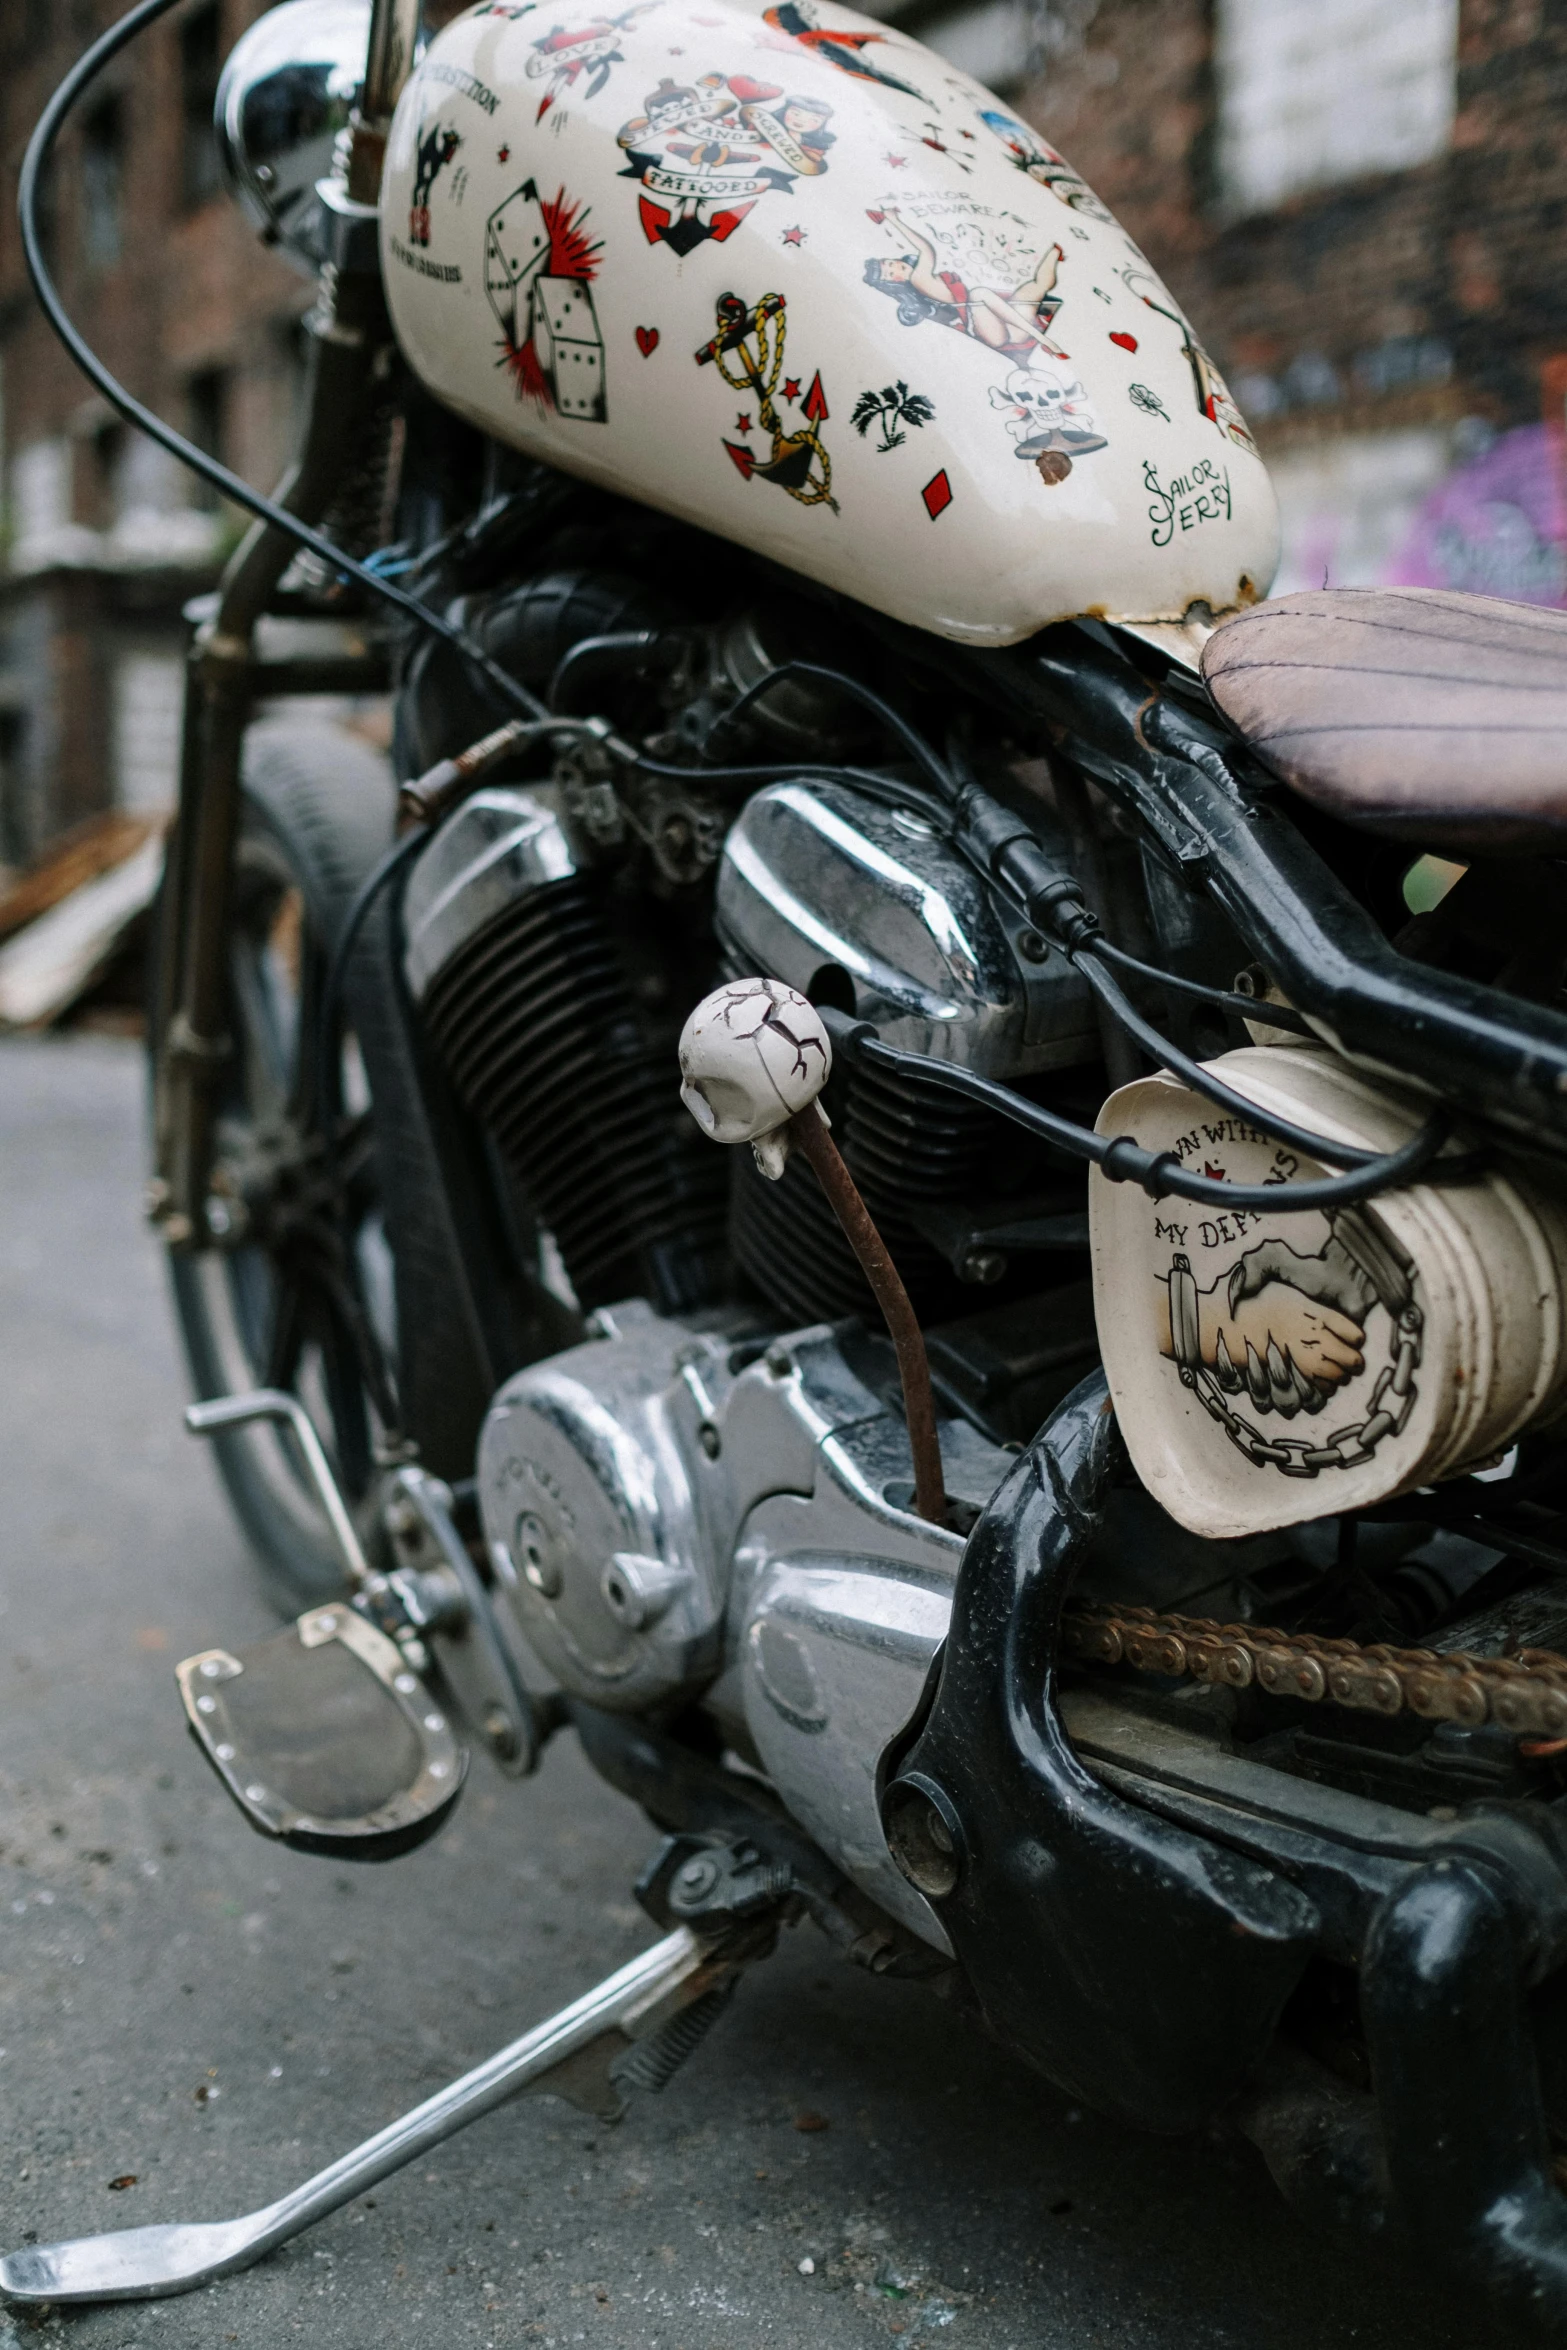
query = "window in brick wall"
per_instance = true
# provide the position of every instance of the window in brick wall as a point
(200, 59)
(1313, 92)
(103, 184)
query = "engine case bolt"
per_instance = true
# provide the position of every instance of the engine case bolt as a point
(694, 1881)
(530, 1541)
(983, 1265)
(1033, 946)
(924, 1838)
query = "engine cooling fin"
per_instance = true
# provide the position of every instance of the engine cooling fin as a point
(904, 1142)
(532, 1019)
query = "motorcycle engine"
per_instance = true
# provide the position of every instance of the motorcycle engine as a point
(709, 1497)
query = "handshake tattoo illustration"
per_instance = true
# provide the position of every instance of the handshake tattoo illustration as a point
(1287, 1329)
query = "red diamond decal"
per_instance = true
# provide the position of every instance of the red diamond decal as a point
(937, 494)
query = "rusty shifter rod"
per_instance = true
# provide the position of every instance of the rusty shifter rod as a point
(810, 1132)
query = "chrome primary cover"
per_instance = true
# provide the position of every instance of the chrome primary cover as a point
(284, 99)
(777, 269)
(674, 1520)
(608, 1538)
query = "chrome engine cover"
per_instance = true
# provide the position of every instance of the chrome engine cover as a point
(605, 1525)
(670, 1520)
(817, 874)
(501, 844)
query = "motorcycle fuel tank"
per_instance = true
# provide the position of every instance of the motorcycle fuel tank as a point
(781, 271)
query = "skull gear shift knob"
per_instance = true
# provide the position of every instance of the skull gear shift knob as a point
(752, 1055)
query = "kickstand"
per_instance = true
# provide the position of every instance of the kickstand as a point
(635, 2027)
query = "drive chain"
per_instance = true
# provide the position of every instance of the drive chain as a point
(1524, 1694)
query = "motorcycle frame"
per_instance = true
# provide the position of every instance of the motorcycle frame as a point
(1238, 1876)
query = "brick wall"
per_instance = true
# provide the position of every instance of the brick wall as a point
(1406, 298)
(192, 307)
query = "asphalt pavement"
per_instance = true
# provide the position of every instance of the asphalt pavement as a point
(192, 2020)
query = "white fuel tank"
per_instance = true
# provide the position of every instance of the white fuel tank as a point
(778, 270)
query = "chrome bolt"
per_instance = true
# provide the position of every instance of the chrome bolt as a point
(983, 1265)
(922, 1841)
(694, 1881)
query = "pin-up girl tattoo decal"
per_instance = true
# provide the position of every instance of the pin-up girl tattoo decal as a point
(1011, 320)
(845, 50)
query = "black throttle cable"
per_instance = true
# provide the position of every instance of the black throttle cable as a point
(1124, 1160)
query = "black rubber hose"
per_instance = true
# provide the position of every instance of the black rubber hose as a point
(39, 149)
(353, 922)
(910, 737)
(1203, 1081)
(1242, 1007)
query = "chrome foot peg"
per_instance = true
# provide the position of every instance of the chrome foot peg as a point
(325, 1738)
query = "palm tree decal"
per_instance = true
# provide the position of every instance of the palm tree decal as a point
(894, 406)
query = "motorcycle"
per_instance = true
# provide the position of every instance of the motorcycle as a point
(1044, 1458)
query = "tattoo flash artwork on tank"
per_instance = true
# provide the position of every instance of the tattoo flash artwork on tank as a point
(587, 186)
(748, 351)
(705, 150)
(846, 49)
(1038, 160)
(576, 59)
(539, 266)
(964, 268)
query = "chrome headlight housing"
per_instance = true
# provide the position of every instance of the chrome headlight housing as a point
(283, 105)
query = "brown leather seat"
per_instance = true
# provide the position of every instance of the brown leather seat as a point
(1434, 717)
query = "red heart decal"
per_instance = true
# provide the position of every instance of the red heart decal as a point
(752, 93)
(647, 340)
(1127, 342)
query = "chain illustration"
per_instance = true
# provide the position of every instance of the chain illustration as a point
(1525, 1694)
